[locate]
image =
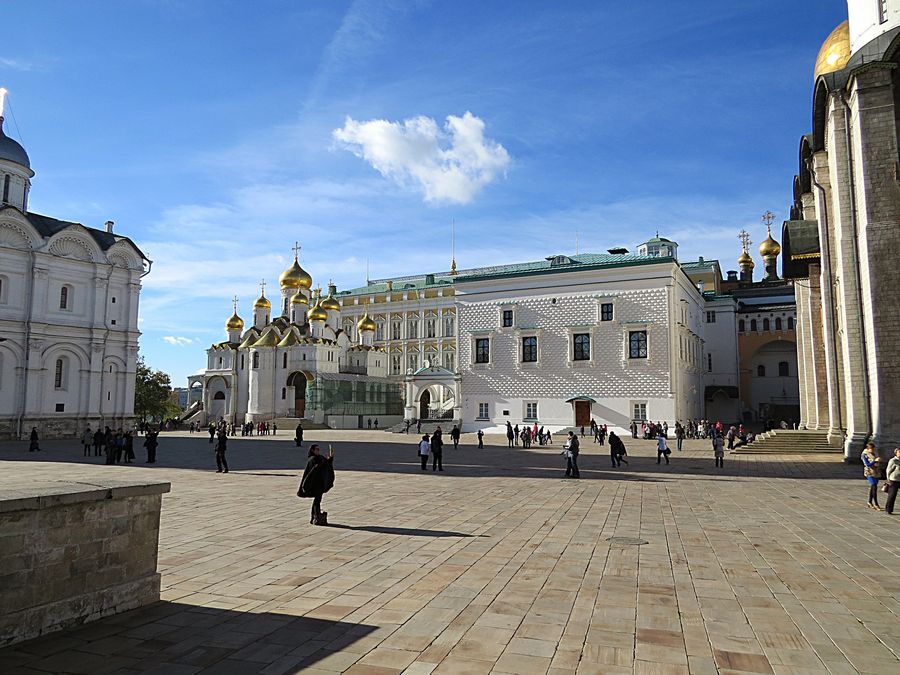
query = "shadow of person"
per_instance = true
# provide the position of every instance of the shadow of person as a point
(409, 532)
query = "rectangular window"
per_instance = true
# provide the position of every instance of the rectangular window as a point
(709, 362)
(64, 297)
(6, 189)
(507, 318)
(483, 411)
(482, 350)
(58, 374)
(531, 411)
(637, 344)
(710, 317)
(395, 330)
(413, 329)
(529, 350)
(414, 361)
(60, 407)
(448, 361)
(448, 326)
(430, 328)
(882, 14)
(395, 365)
(606, 311)
(581, 350)
(639, 411)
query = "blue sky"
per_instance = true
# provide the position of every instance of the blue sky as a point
(215, 134)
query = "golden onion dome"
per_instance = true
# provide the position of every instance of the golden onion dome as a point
(316, 313)
(366, 324)
(330, 304)
(234, 323)
(745, 259)
(299, 299)
(835, 52)
(295, 277)
(262, 302)
(769, 247)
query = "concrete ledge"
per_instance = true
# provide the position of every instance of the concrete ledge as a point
(74, 552)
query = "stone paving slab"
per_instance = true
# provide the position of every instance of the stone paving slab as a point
(498, 564)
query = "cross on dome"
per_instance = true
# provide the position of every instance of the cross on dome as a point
(296, 249)
(262, 287)
(744, 236)
(767, 218)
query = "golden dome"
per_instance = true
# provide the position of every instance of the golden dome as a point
(295, 277)
(316, 313)
(835, 51)
(234, 323)
(330, 304)
(366, 324)
(299, 299)
(769, 247)
(745, 259)
(262, 302)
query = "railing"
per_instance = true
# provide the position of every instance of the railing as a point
(439, 414)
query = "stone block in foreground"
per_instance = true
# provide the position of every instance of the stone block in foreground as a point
(75, 552)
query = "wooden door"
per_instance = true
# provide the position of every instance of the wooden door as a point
(582, 413)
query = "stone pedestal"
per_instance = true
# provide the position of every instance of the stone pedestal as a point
(75, 552)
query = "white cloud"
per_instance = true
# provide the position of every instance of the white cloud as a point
(178, 341)
(18, 64)
(449, 165)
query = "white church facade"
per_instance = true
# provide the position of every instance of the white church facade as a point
(68, 315)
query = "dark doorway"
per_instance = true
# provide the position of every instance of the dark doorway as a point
(582, 413)
(424, 404)
(298, 382)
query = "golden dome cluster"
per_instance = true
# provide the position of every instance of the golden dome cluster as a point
(295, 277)
(835, 52)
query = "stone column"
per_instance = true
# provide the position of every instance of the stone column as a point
(802, 298)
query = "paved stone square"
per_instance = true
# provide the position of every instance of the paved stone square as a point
(498, 564)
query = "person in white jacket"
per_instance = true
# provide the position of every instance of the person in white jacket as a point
(424, 449)
(893, 476)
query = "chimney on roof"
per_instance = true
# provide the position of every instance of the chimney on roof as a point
(701, 259)
(109, 226)
(732, 275)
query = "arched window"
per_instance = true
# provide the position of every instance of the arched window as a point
(242, 361)
(760, 371)
(6, 180)
(219, 396)
(59, 374)
(783, 369)
(766, 324)
(283, 393)
(790, 323)
(753, 325)
(284, 362)
(742, 326)
(64, 297)
(778, 323)
(255, 360)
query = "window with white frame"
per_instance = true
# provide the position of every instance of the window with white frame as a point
(430, 328)
(59, 373)
(482, 350)
(379, 331)
(606, 311)
(412, 329)
(529, 349)
(882, 13)
(581, 347)
(637, 344)
(395, 330)
(65, 297)
(449, 360)
(395, 364)
(506, 318)
(710, 317)
(413, 361)
(639, 411)
(483, 411)
(531, 411)
(449, 327)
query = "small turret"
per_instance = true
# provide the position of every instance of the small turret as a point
(262, 308)
(769, 250)
(235, 325)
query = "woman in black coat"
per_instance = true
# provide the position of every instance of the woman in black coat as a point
(318, 478)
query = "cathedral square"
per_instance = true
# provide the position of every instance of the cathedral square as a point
(384, 392)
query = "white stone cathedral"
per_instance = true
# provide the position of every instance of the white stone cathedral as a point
(68, 315)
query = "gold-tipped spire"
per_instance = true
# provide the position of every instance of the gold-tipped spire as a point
(235, 322)
(262, 302)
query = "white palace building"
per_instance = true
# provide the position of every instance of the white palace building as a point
(68, 315)
(615, 337)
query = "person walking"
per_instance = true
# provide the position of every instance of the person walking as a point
(662, 450)
(871, 472)
(298, 436)
(893, 477)
(454, 436)
(718, 445)
(480, 439)
(437, 450)
(33, 443)
(274, 428)
(221, 446)
(516, 433)
(570, 450)
(407, 423)
(128, 448)
(212, 432)
(151, 442)
(99, 442)
(679, 435)
(87, 439)
(318, 478)
(418, 426)
(376, 424)
(617, 450)
(509, 433)
(424, 450)
(634, 429)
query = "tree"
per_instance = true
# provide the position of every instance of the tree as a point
(153, 394)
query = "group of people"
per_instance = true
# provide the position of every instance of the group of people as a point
(434, 446)
(527, 434)
(874, 471)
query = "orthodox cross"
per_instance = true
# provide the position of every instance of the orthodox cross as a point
(744, 236)
(767, 218)
(234, 302)
(262, 287)
(296, 249)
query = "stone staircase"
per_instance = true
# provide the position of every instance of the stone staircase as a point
(784, 441)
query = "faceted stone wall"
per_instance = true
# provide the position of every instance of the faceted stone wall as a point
(75, 552)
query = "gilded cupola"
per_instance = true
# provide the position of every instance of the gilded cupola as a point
(316, 313)
(366, 324)
(234, 323)
(330, 304)
(299, 299)
(295, 276)
(745, 259)
(769, 247)
(262, 302)
(835, 52)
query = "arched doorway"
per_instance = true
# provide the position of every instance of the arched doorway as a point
(424, 404)
(298, 382)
